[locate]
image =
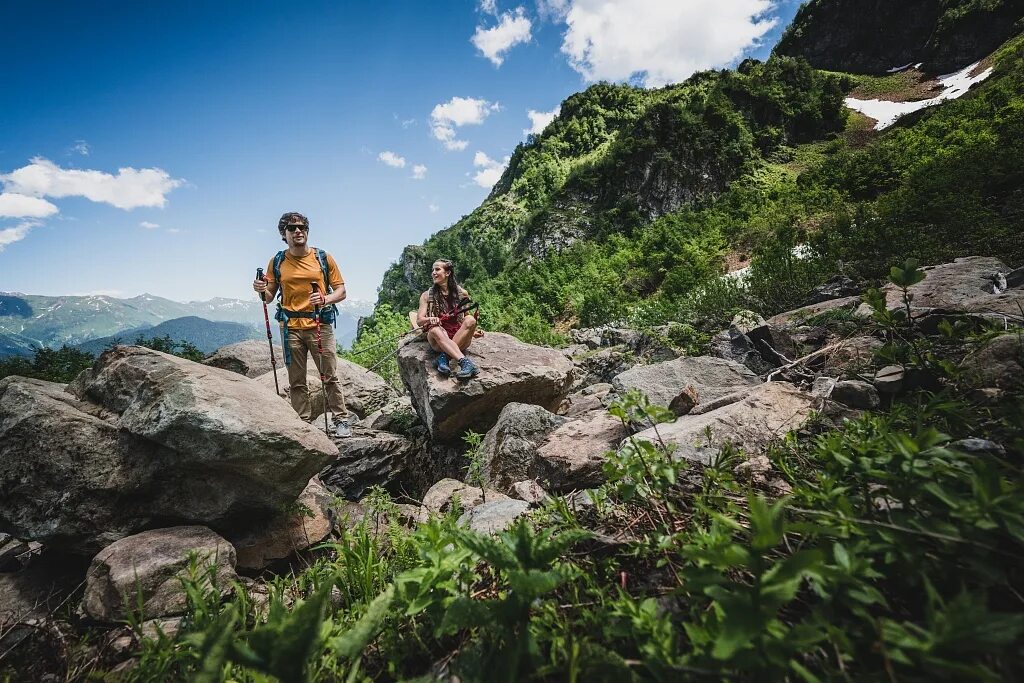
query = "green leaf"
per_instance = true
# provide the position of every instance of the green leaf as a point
(351, 643)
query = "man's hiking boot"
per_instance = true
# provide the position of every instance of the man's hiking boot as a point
(341, 429)
(441, 364)
(467, 369)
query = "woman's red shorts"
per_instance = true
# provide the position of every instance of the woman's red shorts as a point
(451, 327)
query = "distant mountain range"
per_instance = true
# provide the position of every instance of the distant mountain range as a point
(28, 321)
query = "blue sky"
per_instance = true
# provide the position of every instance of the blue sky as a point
(152, 146)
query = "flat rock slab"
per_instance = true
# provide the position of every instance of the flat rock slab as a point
(510, 371)
(440, 497)
(963, 285)
(494, 517)
(798, 315)
(250, 358)
(712, 377)
(150, 566)
(145, 436)
(366, 459)
(768, 412)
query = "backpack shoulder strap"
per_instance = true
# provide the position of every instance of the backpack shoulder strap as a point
(321, 256)
(277, 273)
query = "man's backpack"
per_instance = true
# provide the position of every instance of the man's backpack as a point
(328, 314)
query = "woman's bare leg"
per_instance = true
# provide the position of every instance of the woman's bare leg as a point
(440, 342)
(464, 337)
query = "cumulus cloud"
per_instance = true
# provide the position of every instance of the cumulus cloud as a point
(457, 112)
(539, 120)
(661, 41)
(18, 232)
(419, 172)
(392, 159)
(149, 226)
(490, 170)
(81, 147)
(495, 42)
(14, 205)
(489, 6)
(552, 9)
(129, 189)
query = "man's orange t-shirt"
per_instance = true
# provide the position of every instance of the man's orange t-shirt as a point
(297, 274)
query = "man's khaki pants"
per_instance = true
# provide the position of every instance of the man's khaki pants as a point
(299, 343)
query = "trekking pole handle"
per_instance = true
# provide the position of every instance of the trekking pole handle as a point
(259, 276)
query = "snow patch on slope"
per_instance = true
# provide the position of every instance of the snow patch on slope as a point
(953, 86)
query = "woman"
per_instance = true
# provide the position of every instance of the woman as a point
(449, 336)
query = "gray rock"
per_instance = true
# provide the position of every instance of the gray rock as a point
(493, 517)
(146, 436)
(440, 496)
(711, 377)
(509, 449)
(767, 413)
(151, 565)
(889, 380)
(856, 393)
(745, 322)
(306, 522)
(574, 453)
(999, 364)
(601, 389)
(364, 391)
(510, 371)
(369, 458)
(853, 393)
(397, 416)
(798, 316)
(739, 348)
(250, 358)
(530, 491)
(978, 447)
(837, 287)
(963, 285)
(599, 367)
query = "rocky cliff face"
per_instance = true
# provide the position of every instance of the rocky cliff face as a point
(873, 36)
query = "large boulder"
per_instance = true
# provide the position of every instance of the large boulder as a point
(493, 516)
(250, 358)
(767, 413)
(510, 371)
(369, 458)
(509, 449)
(712, 378)
(966, 285)
(364, 391)
(146, 437)
(302, 524)
(149, 568)
(998, 364)
(573, 455)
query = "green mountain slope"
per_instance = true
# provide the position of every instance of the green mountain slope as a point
(632, 201)
(206, 335)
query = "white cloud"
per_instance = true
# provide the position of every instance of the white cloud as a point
(14, 205)
(408, 122)
(15, 234)
(489, 7)
(81, 147)
(456, 112)
(490, 170)
(129, 189)
(495, 42)
(392, 159)
(662, 41)
(552, 9)
(149, 226)
(116, 293)
(539, 120)
(419, 172)
(173, 231)
(433, 208)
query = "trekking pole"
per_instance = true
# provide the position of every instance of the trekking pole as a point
(270, 338)
(320, 350)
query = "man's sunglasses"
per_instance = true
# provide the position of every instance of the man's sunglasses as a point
(293, 228)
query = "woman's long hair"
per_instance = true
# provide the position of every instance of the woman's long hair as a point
(442, 303)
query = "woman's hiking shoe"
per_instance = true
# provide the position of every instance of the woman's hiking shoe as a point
(467, 369)
(341, 429)
(442, 364)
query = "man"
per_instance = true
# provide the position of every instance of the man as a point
(297, 268)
